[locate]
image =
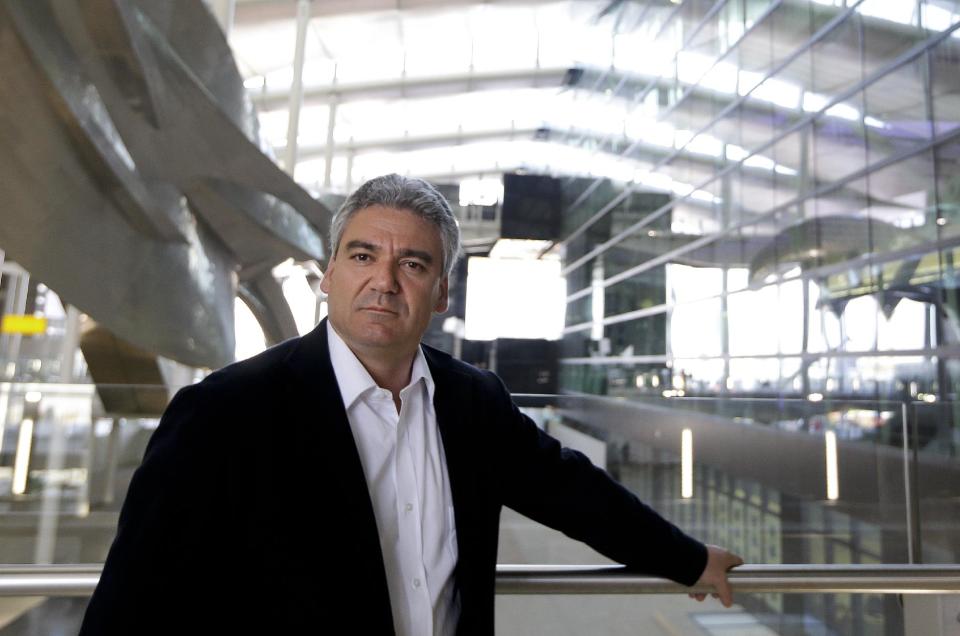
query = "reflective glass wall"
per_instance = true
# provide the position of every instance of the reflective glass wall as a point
(768, 269)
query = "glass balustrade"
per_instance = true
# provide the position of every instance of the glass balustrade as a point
(816, 482)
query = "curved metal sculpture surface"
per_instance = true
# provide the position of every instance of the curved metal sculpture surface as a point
(135, 182)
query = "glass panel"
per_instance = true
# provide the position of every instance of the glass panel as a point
(690, 283)
(837, 58)
(889, 30)
(849, 200)
(755, 10)
(947, 157)
(63, 471)
(584, 378)
(29, 615)
(790, 91)
(642, 291)
(589, 197)
(839, 147)
(748, 332)
(754, 615)
(896, 115)
(696, 329)
(641, 337)
(756, 54)
(581, 278)
(945, 85)
(731, 24)
(792, 27)
(699, 376)
(935, 435)
(939, 15)
(579, 311)
(788, 161)
(638, 248)
(821, 502)
(902, 205)
(752, 194)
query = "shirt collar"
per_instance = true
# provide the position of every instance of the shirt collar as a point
(353, 378)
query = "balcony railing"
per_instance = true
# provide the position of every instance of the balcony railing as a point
(80, 580)
(845, 482)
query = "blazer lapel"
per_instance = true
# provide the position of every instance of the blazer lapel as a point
(448, 405)
(314, 390)
(453, 421)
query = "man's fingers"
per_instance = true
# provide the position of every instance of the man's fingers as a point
(724, 592)
(719, 563)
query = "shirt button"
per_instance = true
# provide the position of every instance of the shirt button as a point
(416, 582)
(408, 507)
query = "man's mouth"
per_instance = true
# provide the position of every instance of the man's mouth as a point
(379, 310)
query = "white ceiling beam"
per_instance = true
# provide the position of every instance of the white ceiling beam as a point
(408, 142)
(259, 11)
(413, 87)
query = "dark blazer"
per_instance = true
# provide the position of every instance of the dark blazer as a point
(250, 511)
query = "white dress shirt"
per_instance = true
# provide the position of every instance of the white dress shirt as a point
(406, 471)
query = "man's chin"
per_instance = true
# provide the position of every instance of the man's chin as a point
(375, 332)
(378, 334)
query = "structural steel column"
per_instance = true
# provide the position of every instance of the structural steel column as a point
(349, 179)
(46, 543)
(14, 303)
(110, 477)
(328, 158)
(296, 89)
(68, 347)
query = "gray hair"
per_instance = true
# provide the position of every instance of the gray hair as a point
(402, 193)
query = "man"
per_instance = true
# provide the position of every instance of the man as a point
(351, 481)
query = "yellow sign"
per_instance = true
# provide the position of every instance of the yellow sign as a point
(24, 325)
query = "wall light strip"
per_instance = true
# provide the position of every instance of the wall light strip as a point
(686, 463)
(21, 464)
(833, 483)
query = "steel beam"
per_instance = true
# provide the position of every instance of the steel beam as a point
(296, 90)
(429, 86)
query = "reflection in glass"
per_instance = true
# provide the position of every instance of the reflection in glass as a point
(945, 85)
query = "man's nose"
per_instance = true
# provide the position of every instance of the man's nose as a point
(384, 279)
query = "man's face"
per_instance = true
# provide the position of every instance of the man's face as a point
(385, 281)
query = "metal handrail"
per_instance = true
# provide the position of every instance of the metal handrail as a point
(793, 578)
(80, 580)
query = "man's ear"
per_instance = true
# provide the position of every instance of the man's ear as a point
(324, 284)
(442, 300)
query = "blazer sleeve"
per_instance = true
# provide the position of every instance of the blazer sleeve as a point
(161, 573)
(562, 489)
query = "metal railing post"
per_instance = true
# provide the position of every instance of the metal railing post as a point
(910, 488)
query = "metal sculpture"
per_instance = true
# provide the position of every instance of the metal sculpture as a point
(134, 179)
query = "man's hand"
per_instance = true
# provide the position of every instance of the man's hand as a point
(719, 562)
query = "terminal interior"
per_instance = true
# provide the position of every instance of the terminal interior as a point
(709, 243)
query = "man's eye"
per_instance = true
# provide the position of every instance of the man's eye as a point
(413, 265)
(361, 257)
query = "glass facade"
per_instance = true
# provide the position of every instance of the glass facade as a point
(805, 209)
(792, 291)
